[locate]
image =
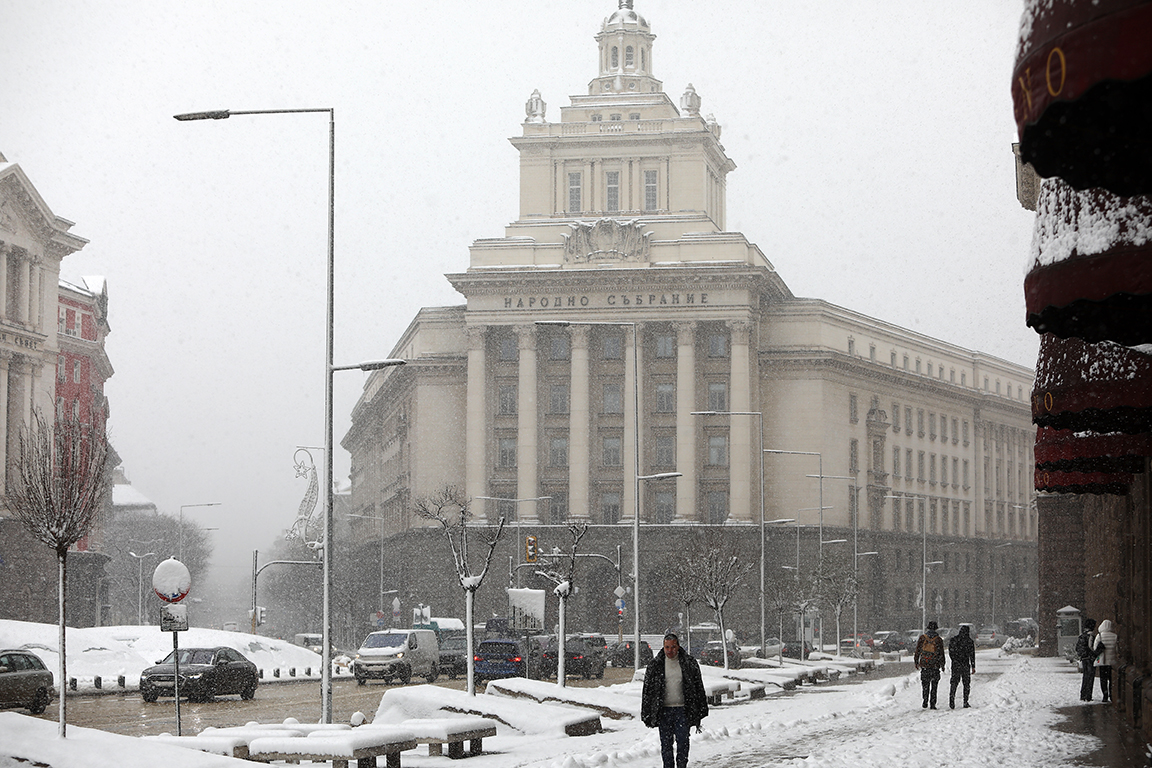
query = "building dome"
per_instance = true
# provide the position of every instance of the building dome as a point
(626, 17)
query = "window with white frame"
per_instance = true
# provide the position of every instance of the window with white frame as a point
(507, 452)
(717, 396)
(718, 450)
(665, 451)
(650, 189)
(717, 345)
(613, 347)
(610, 508)
(665, 397)
(613, 397)
(558, 346)
(574, 187)
(507, 399)
(665, 506)
(612, 190)
(508, 350)
(558, 398)
(665, 345)
(610, 452)
(717, 506)
(558, 451)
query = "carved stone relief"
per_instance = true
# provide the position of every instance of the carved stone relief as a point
(606, 240)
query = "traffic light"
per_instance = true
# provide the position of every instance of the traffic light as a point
(259, 615)
(530, 549)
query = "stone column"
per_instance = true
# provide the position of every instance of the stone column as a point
(741, 476)
(578, 426)
(476, 418)
(5, 250)
(685, 423)
(21, 311)
(5, 432)
(35, 305)
(527, 482)
(632, 352)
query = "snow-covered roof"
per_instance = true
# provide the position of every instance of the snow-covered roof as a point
(126, 498)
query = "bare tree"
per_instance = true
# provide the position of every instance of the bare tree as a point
(450, 507)
(686, 589)
(836, 586)
(56, 489)
(564, 579)
(783, 596)
(720, 572)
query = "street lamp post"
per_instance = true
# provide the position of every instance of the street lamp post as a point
(820, 468)
(760, 423)
(329, 368)
(519, 537)
(140, 585)
(180, 527)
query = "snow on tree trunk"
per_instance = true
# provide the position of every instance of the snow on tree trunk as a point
(62, 580)
(470, 631)
(561, 655)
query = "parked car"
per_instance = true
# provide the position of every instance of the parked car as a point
(860, 643)
(795, 649)
(580, 658)
(621, 654)
(1022, 628)
(454, 656)
(713, 654)
(772, 647)
(504, 657)
(912, 636)
(890, 641)
(990, 636)
(204, 674)
(24, 682)
(597, 643)
(398, 654)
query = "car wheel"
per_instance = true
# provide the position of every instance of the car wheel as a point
(406, 675)
(361, 681)
(433, 674)
(452, 674)
(587, 673)
(150, 695)
(39, 703)
(600, 674)
(249, 691)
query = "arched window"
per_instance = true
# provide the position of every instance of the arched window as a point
(629, 57)
(643, 60)
(615, 57)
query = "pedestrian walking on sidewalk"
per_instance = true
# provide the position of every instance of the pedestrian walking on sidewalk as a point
(929, 659)
(1087, 656)
(673, 699)
(1105, 647)
(962, 651)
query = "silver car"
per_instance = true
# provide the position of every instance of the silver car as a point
(24, 681)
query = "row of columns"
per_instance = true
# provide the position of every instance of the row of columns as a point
(479, 435)
(23, 270)
(19, 377)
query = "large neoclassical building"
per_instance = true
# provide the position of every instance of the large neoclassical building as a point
(621, 235)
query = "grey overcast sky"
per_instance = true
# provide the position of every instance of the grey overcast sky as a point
(874, 169)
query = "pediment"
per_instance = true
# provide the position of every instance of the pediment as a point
(26, 219)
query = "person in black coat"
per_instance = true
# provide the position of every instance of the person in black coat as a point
(962, 651)
(673, 699)
(1087, 656)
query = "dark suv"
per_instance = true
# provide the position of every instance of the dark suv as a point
(454, 656)
(580, 658)
(504, 657)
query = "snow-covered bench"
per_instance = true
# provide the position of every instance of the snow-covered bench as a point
(717, 689)
(229, 746)
(363, 745)
(453, 731)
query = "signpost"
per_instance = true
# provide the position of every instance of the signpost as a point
(171, 583)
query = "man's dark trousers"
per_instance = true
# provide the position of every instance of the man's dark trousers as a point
(674, 725)
(959, 672)
(929, 680)
(1089, 680)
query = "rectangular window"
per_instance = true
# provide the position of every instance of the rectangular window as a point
(920, 422)
(558, 398)
(853, 413)
(509, 350)
(665, 345)
(665, 506)
(76, 371)
(717, 345)
(610, 508)
(558, 508)
(574, 193)
(650, 181)
(943, 427)
(943, 470)
(955, 431)
(932, 470)
(920, 516)
(61, 368)
(612, 198)
(717, 396)
(955, 471)
(666, 450)
(613, 397)
(610, 452)
(717, 502)
(907, 421)
(665, 398)
(558, 347)
(932, 426)
(963, 379)
(920, 466)
(893, 358)
(507, 398)
(965, 433)
(853, 458)
(507, 457)
(896, 462)
(718, 450)
(905, 362)
(872, 352)
(613, 347)
(895, 417)
(558, 452)
(966, 474)
(908, 464)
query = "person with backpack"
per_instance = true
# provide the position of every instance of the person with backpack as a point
(962, 651)
(1105, 647)
(1087, 656)
(929, 659)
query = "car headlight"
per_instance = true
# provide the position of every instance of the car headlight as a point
(400, 655)
(196, 676)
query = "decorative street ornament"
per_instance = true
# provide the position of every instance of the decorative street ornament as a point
(171, 581)
(305, 466)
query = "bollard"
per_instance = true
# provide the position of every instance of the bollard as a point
(120, 681)
(276, 672)
(72, 683)
(97, 682)
(291, 671)
(307, 671)
(260, 672)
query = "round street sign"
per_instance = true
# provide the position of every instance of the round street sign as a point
(171, 581)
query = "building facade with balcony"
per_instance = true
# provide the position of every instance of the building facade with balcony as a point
(621, 235)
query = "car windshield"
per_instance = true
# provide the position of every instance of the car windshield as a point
(498, 650)
(191, 656)
(454, 644)
(384, 640)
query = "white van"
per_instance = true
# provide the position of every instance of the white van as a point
(398, 654)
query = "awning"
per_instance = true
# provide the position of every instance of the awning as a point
(1101, 387)
(1091, 264)
(1081, 90)
(1063, 450)
(1083, 482)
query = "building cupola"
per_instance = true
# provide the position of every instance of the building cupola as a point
(625, 42)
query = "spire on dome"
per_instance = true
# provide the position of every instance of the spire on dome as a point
(625, 43)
